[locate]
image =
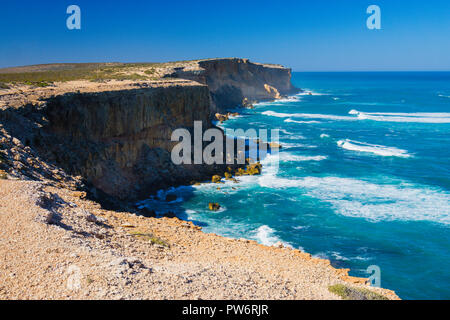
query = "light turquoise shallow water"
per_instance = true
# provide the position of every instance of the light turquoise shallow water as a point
(364, 178)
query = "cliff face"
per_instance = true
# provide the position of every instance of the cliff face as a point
(120, 140)
(117, 136)
(230, 81)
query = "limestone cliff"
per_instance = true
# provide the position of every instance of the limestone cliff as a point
(232, 80)
(116, 135)
(120, 140)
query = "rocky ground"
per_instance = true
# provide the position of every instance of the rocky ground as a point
(57, 245)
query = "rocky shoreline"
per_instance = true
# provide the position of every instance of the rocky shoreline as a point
(71, 150)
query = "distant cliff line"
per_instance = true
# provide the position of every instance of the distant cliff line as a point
(111, 128)
(230, 81)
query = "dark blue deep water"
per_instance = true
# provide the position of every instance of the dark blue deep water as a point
(364, 178)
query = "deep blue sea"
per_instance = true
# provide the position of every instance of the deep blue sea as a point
(364, 178)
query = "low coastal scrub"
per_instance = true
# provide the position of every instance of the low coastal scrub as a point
(39, 84)
(44, 75)
(349, 293)
(150, 72)
(150, 238)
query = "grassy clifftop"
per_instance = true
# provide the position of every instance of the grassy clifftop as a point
(46, 74)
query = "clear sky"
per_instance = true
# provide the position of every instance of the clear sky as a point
(306, 35)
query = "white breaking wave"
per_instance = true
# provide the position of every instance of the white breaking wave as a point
(374, 202)
(287, 157)
(307, 116)
(324, 135)
(285, 131)
(277, 114)
(418, 117)
(279, 102)
(289, 99)
(307, 92)
(295, 137)
(287, 145)
(372, 148)
(443, 96)
(266, 236)
(296, 121)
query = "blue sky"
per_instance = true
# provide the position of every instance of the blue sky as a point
(305, 35)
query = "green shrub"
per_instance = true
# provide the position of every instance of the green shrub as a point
(40, 84)
(349, 293)
(44, 75)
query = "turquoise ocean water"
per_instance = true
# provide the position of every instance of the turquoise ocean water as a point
(364, 178)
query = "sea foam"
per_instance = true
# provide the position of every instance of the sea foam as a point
(297, 121)
(307, 116)
(287, 157)
(417, 117)
(374, 202)
(372, 148)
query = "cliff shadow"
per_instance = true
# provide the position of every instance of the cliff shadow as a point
(169, 203)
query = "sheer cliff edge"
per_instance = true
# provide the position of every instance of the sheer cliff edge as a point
(110, 125)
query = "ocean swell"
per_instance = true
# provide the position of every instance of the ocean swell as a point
(374, 202)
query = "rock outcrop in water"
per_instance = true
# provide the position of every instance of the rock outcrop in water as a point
(116, 135)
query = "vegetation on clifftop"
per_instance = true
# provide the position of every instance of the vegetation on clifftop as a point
(349, 293)
(44, 75)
